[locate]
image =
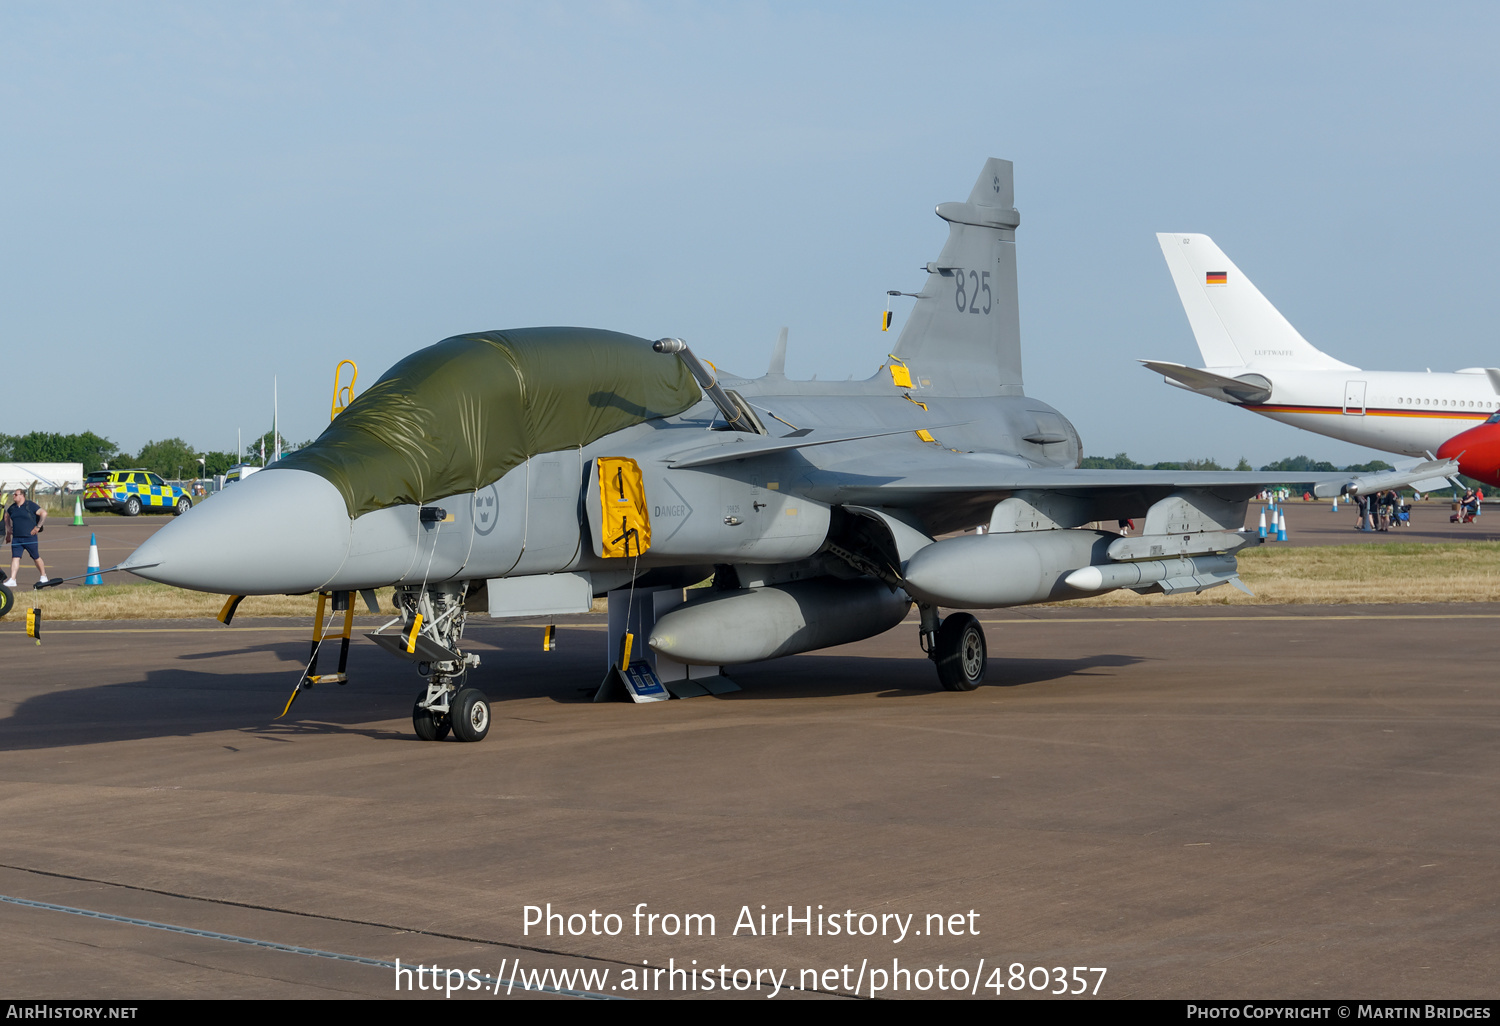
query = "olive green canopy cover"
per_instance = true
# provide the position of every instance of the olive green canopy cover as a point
(457, 415)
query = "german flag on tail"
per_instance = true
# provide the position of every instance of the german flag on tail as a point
(1216, 278)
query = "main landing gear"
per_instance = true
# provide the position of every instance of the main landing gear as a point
(955, 644)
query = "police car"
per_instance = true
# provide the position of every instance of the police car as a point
(133, 492)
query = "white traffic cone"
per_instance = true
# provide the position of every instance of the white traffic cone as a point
(1262, 525)
(93, 567)
(1281, 526)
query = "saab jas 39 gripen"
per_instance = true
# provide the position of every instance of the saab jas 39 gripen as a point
(525, 472)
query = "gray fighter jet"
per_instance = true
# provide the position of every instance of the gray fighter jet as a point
(525, 472)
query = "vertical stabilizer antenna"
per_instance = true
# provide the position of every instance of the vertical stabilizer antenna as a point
(778, 358)
(706, 381)
(275, 426)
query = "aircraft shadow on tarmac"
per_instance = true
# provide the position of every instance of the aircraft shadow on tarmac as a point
(287, 652)
(824, 677)
(182, 701)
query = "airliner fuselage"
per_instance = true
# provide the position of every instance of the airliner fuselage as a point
(1394, 411)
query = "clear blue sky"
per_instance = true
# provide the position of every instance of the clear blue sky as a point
(197, 196)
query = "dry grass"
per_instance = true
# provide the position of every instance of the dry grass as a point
(1318, 575)
(148, 601)
(161, 602)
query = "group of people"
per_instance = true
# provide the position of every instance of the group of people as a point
(1382, 510)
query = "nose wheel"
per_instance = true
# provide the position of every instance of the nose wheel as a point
(470, 715)
(429, 725)
(438, 711)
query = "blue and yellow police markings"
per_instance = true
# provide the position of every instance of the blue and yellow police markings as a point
(116, 493)
(160, 496)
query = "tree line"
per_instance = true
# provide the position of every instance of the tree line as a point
(171, 458)
(1292, 464)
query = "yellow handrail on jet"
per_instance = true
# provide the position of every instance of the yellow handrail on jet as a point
(343, 395)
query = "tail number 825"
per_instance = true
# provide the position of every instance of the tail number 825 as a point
(970, 285)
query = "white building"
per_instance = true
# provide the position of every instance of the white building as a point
(48, 477)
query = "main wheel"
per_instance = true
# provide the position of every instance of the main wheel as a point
(470, 713)
(960, 652)
(7, 600)
(430, 726)
(183, 505)
(133, 506)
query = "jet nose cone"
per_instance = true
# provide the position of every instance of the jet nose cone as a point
(1455, 445)
(277, 532)
(1477, 451)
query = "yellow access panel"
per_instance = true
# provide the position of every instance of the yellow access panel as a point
(622, 496)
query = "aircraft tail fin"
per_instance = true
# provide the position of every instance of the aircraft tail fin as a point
(964, 334)
(1234, 324)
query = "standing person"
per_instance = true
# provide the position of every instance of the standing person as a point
(23, 521)
(1387, 510)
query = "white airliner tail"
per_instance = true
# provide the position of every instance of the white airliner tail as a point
(1234, 324)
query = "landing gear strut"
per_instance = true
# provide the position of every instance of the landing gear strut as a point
(956, 646)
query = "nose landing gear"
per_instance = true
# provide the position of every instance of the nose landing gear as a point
(432, 625)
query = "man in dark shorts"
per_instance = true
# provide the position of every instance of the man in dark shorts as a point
(23, 519)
